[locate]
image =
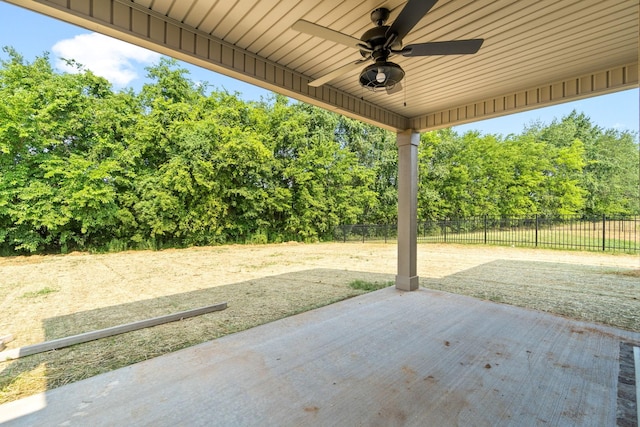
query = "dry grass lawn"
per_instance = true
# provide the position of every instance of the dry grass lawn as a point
(49, 297)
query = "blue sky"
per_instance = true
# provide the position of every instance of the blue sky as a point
(32, 34)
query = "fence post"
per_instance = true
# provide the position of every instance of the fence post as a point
(445, 230)
(604, 226)
(485, 229)
(537, 225)
(344, 234)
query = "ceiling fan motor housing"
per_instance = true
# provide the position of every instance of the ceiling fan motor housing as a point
(381, 75)
(375, 38)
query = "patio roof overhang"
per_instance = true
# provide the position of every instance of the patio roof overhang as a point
(536, 52)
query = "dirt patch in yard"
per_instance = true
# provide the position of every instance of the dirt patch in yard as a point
(48, 297)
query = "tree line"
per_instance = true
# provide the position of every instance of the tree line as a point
(85, 167)
(569, 167)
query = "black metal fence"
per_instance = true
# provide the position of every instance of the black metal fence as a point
(366, 233)
(615, 234)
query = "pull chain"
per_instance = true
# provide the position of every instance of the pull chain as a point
(405, 92)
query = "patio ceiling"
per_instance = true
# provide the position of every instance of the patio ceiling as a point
(536, 52)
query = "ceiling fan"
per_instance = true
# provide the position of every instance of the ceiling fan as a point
(383, 41)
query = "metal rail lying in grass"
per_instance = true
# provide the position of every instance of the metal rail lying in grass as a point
(16, 353)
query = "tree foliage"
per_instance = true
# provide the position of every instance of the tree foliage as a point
(85, 167)
(569, 167)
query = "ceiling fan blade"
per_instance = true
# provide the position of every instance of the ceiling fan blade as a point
(454, 47)
(325, 33)
(413, 12)
(395, 89)
(337, 73)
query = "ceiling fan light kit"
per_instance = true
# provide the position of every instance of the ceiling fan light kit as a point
(383, 41)
(383, 75)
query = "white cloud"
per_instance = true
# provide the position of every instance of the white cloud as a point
(115, 60)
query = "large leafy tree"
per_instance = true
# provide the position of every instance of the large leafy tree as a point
(57, 147)
(609, 176)
(322, 183)
(376, 150)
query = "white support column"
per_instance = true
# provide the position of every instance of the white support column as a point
(407, 277)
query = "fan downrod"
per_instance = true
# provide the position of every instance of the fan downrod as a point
(380, 16)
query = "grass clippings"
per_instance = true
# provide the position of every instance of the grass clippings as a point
(630, 273)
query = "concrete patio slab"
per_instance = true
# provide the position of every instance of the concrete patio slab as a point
(386, 358)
